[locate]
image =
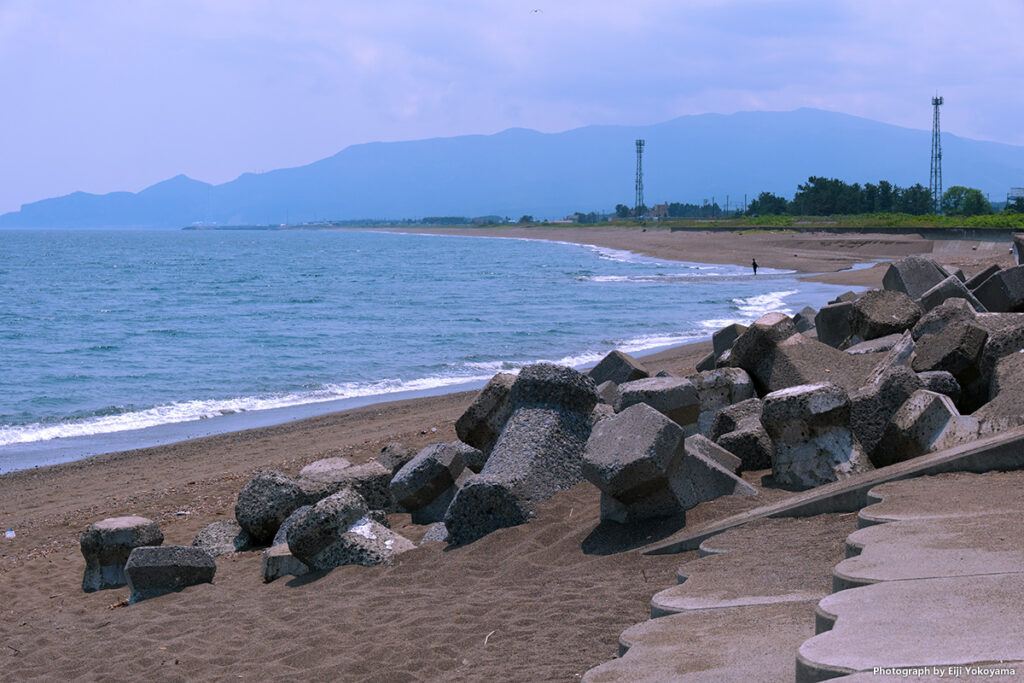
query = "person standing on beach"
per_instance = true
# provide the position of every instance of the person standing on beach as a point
(753, 264)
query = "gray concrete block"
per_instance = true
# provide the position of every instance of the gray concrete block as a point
(717, 389)
(948, 312)
(723, 339)
(278, 561)
(428, 475)
(674, 397)
(107, 544)
(1004, 291)
(813, 443)
(697, 478)
(152, 571)
(975, 281)
(925, 423)
(483, 420)
(805, 319)
(880, 312)
(913, 275)
(950, 288)
(618, 367)
(701, 445)
(266, 501)
(222, 538)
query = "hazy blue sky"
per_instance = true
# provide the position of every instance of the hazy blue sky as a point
(117, 95)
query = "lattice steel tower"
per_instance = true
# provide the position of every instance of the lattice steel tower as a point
(935, 180)
(639, 178)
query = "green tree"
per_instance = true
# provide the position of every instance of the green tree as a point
(915, 200)
(768, 204)
(526, 218)
(621, 211)
(964, 201)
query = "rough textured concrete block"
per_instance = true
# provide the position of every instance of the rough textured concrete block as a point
(282, 531)
(800, 360)
(941, 382)
(222, 538)
(327, 467)
(877, 345)
(1018, 248)
(926, 422)
(975, 281)
(738, 429)
(881, 312)
(813, 443)
(278, 561)
(717, 389)
(804, 320)
(832, 324)
(872, 406)
(913, 275)
(707, 362)
(723, 339)
(1004, 291)
(957, 349)
(320, 526)
(1003, 411)
(695, 479)
(948, 312)
(950, 288)
(370, 480)
(607, 390)
(157, 570)
(628, 456)
(674, 397)
(482, 422)
(618, 367)
(266, 501)
(539, 453)
(705, 447)
(846, 297)
(394, 456)
(428, 475)
(107, 544)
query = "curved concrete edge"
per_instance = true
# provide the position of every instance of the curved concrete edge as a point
(853, 548)
(812, 672)
(1000, 452)
(668, 602)
(823, 619)
(842, 581)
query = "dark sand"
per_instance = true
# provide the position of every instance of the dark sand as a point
(544, 601)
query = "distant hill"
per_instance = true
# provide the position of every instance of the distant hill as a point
(520, 171)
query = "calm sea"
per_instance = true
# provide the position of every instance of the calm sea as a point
(104, 332)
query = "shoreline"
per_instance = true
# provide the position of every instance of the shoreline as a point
(57, 451)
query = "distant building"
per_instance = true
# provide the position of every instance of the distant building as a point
(659, 211)
(1015, 193)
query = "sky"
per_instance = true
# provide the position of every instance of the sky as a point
(118, 95)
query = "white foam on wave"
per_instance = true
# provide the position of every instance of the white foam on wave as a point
(189, 411)
(753, 307)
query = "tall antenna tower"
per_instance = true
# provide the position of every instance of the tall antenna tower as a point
(639, 178)
(935, 180)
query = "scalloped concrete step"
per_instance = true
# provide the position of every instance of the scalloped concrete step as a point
(754, 643)
(916, 623)
(743, 566)
(943, 496)
(933, 548)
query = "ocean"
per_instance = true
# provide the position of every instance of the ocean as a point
(113, 339)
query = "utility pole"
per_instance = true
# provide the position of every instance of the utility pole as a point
(935, 179)
(639, 178)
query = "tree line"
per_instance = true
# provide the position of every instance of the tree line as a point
(821, 196)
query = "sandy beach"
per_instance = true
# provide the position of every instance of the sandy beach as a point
(543, 601)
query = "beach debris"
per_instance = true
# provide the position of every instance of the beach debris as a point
(950, 288)
(913, 275)
(222, 538)
(674, 397)
(278, 561)
(809, 425)
(879, 313)
(1003, 291)
(618, 367)
(738, 429)
(9, 534)
(483, 420)
(336, 532)
(538, 453)
(394, 455)
(426, 485)
(266, 501)
(717, 389)
(926, 422)
(158, 570)
(107, 545)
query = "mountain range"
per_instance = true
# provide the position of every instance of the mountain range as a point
(548, 175)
